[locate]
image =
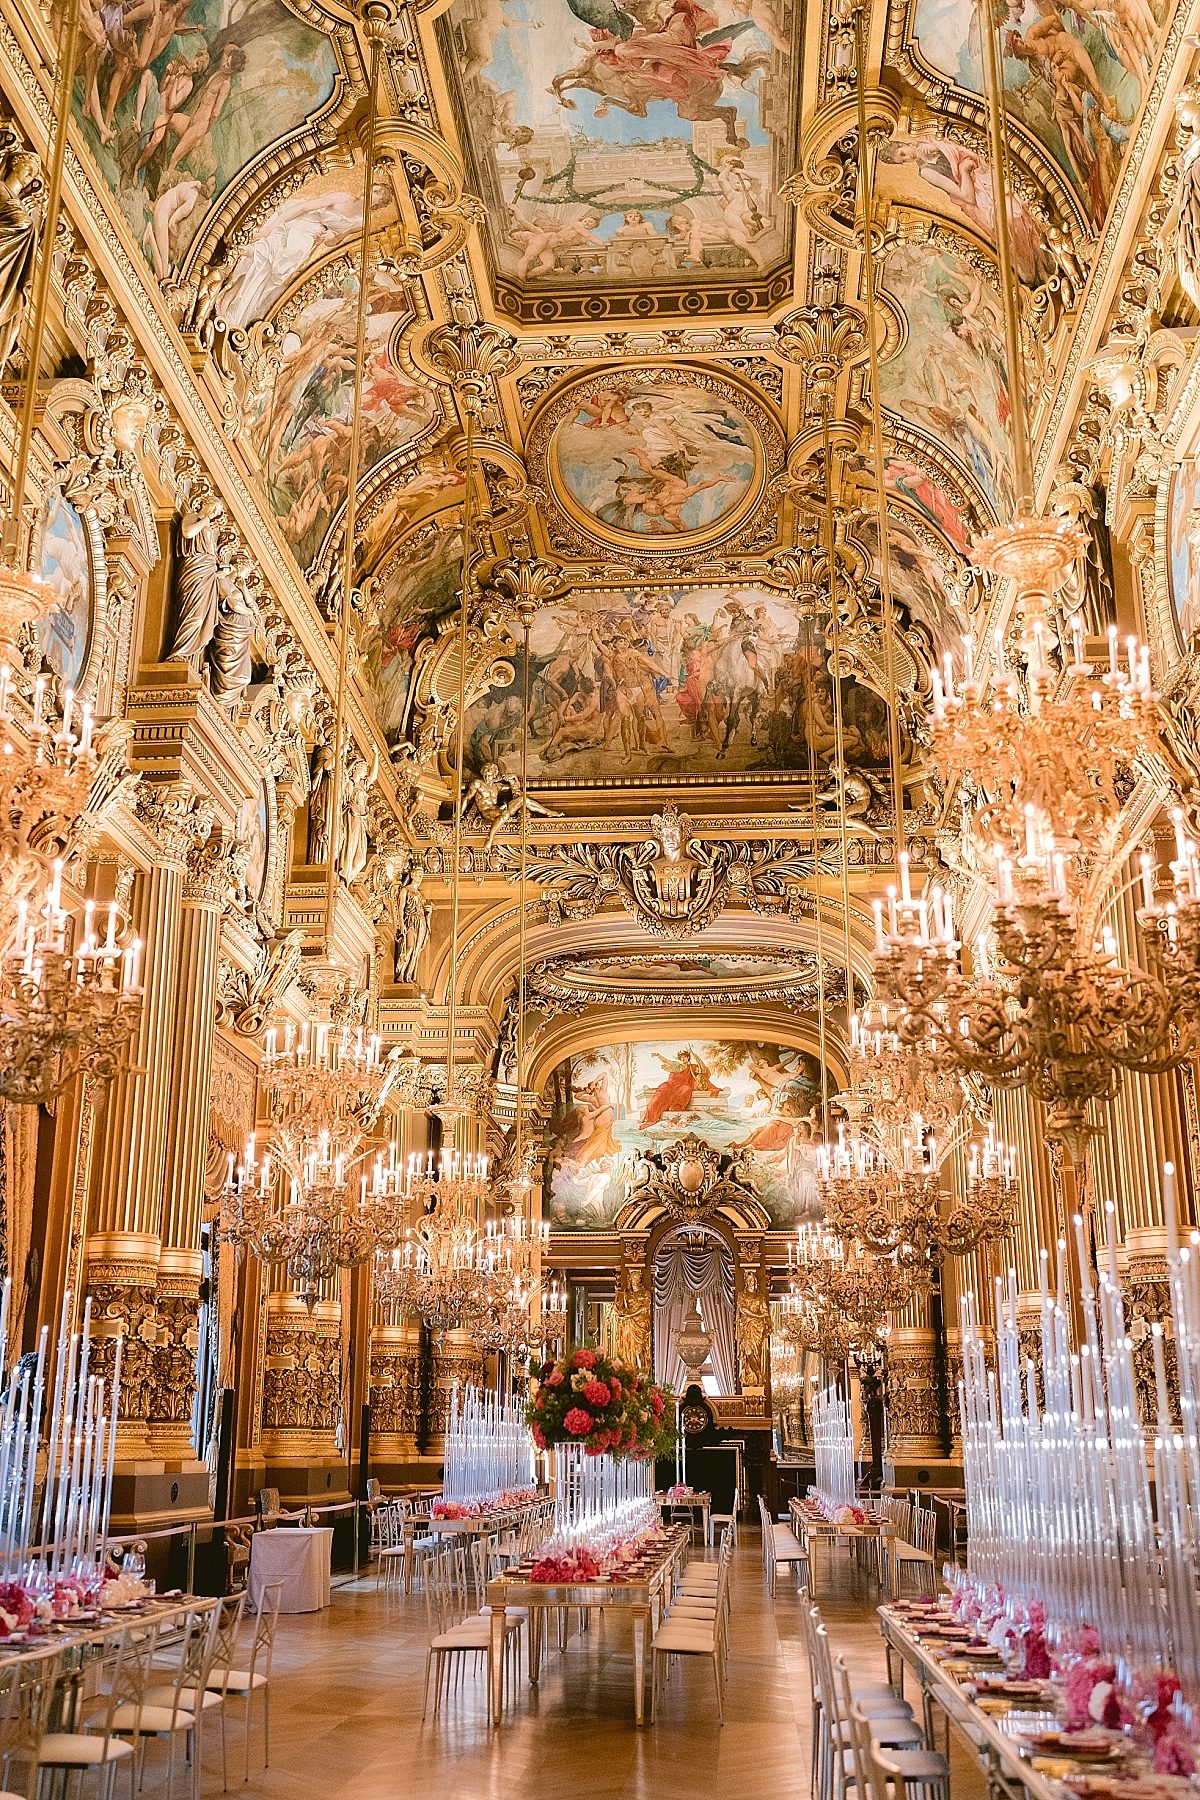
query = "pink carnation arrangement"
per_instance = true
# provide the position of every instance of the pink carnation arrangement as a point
(574, 1566)
(1090, 1694)
(681, 1491)
(16, 1608)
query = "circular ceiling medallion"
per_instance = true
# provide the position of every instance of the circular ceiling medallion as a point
(654, 459)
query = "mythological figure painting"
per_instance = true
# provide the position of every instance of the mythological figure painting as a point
(654, 461)
(176, 96)
(949, 377)
(936, 173)
(615, 1104)
(1184, 548)
(301, 426)
(307, 227)
(623, 142)
(65, 565)
(404, 610)
(713, 680)
(1074, 76)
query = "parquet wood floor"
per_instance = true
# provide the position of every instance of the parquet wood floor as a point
(346, 1706)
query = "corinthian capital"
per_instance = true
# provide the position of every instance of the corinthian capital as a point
(176, 818)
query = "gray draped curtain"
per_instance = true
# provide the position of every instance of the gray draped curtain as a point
(683, 1267)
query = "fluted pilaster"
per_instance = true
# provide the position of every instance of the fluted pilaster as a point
(204, 893)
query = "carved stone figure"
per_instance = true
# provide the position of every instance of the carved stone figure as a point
(201, 318)
(669, 879)
(355, 849)
(506, 1038)
(320, 784)
(198, 578)
(21, 190)
(631, 1337)
(229, 659)
(412, 932)
(753, 1332)
(1181, 228)
(498, 800)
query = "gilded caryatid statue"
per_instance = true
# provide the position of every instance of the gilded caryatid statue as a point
(753, 1333)
(21, 191)
(631, 1337)
(199, 578)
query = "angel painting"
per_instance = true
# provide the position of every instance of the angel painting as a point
(177, 96)
(655, 461)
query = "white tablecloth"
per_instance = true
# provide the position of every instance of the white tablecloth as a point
(297, 1555)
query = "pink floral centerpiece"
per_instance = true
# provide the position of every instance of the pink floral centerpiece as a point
(599, 1403)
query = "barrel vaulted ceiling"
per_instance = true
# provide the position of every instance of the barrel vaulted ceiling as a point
(658, 200)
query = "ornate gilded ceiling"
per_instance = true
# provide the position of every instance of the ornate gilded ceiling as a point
(656, 204)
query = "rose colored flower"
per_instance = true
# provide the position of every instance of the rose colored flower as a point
(584, 1359)
(1037, 1657)
(656, 1404)
(554, 1379)
(1173, 1755)
(1103, 1706)
(538, 1436)
(597, 1394)
(578, 1422)
(615, 1386)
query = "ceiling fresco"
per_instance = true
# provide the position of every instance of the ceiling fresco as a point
(1074, 77)
(300, 424)
(949, 376)
(177, 98)
(637, 145)
(616, 1103)
(678, 680)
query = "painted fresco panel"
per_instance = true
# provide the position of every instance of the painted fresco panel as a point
(614, 1104)
(628, 142)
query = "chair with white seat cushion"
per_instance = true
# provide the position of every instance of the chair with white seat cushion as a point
(27, 1691)
(453, 1637)
(692, 1637)
(167, 1709)
(878, 1768)
(242, 1682)
(211, 1698)
(97, 1745)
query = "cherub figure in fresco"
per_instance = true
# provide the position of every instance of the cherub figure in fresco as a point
(545, 242)
(479, 35)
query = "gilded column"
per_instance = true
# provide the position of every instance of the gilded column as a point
(302, 1392)
(126, 1207)
(206, 884)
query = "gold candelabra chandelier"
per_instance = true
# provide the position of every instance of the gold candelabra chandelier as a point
(307, 1203)
(325, 1216)
(892, 1203)
(840, 1293)
(69, 993)
(442, 1270)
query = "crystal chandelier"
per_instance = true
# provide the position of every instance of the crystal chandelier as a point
(306, 1204)
(1171, 926)
(891, 1079)
(896, 1208)
(554, 1307)
(840, 1293)
(328, 1218)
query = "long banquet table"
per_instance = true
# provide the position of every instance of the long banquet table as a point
(994, 1725)
(638, 1596)
(810, 1526)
